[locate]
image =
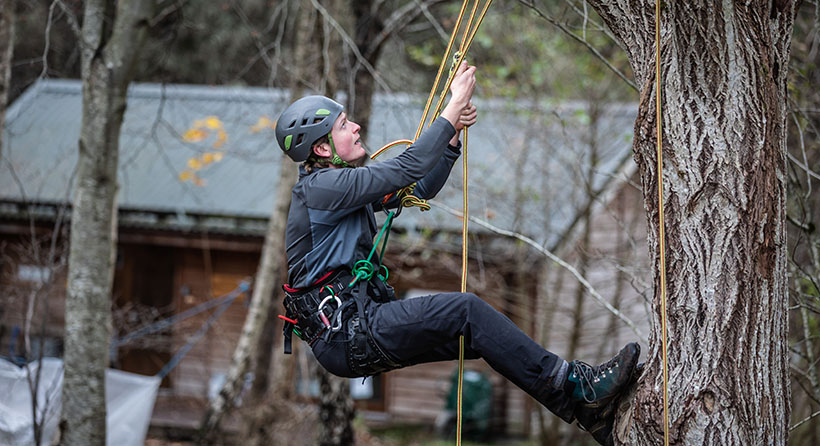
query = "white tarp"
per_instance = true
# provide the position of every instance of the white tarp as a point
(129, 402)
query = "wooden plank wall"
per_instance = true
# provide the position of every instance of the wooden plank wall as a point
(204, 278)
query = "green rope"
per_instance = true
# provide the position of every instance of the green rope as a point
(364, 269)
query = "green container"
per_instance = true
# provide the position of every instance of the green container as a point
(477, 398)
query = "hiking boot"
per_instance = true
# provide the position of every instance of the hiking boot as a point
(598, 421)
(597, 391)
(597, 386)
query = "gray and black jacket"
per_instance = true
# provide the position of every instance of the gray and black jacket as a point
(331, 222)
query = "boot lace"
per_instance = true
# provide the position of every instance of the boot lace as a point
(589, 376)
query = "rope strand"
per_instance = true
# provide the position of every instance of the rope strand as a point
(405, 195)
(661, 231)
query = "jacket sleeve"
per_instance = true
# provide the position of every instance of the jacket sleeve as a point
(431, 184)
(337, 189)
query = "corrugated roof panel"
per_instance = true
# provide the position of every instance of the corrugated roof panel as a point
(529, 162)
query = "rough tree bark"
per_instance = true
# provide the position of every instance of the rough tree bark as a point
(8, 18)
(724, 142)
(336, 410)
(110, 43)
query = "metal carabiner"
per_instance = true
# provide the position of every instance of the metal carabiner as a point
(324, 318)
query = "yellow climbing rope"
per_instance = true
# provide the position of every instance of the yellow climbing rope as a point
(661, 232)
(464, 220)
(405, 194)
(467, 39)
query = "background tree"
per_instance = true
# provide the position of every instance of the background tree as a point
(804, 269)
(272, 263)
(8, 18)
(724, 144)
(110, 44)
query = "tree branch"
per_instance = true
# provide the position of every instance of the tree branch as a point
(530, 4)
(350, 43)
(557, 260)
(804, 420)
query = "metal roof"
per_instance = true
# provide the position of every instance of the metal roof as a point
(527, 159)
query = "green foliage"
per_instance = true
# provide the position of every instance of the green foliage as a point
(522, 55)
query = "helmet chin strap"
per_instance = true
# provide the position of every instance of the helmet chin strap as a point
(336, 160)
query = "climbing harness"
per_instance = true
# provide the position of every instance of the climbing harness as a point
(661, 235)
(311, 313)
(337, 303)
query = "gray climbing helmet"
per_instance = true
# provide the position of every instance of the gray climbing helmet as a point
(303, 123)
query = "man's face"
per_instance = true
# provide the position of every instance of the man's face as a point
(346, 139)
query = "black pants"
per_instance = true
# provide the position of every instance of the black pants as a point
(426, 329)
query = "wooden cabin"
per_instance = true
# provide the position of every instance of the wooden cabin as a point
(197, 179)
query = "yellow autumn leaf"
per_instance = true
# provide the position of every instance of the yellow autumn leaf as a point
(194, 135)
(221, 138)
(185, 175)
(199, 181)
(212, 122)
(194, 164)
(207, 158)
(261, 124)
(217, 156)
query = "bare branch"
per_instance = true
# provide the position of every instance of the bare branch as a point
(49, 22)
(810, 172)
(557, 260)
(350, 43)
(804, 420)
(401, 18)
(423, 6)
(530, 4)
(168, 10)
(70, 17)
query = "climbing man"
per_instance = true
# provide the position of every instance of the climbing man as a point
(346, 311)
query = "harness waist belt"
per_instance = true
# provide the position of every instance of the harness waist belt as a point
(311, 311)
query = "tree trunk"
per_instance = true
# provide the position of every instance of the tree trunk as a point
(336, 410)
(368, 26)
(110, 45)
(724, 143)
(370, 34)
(8, 18)
(264, 288)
